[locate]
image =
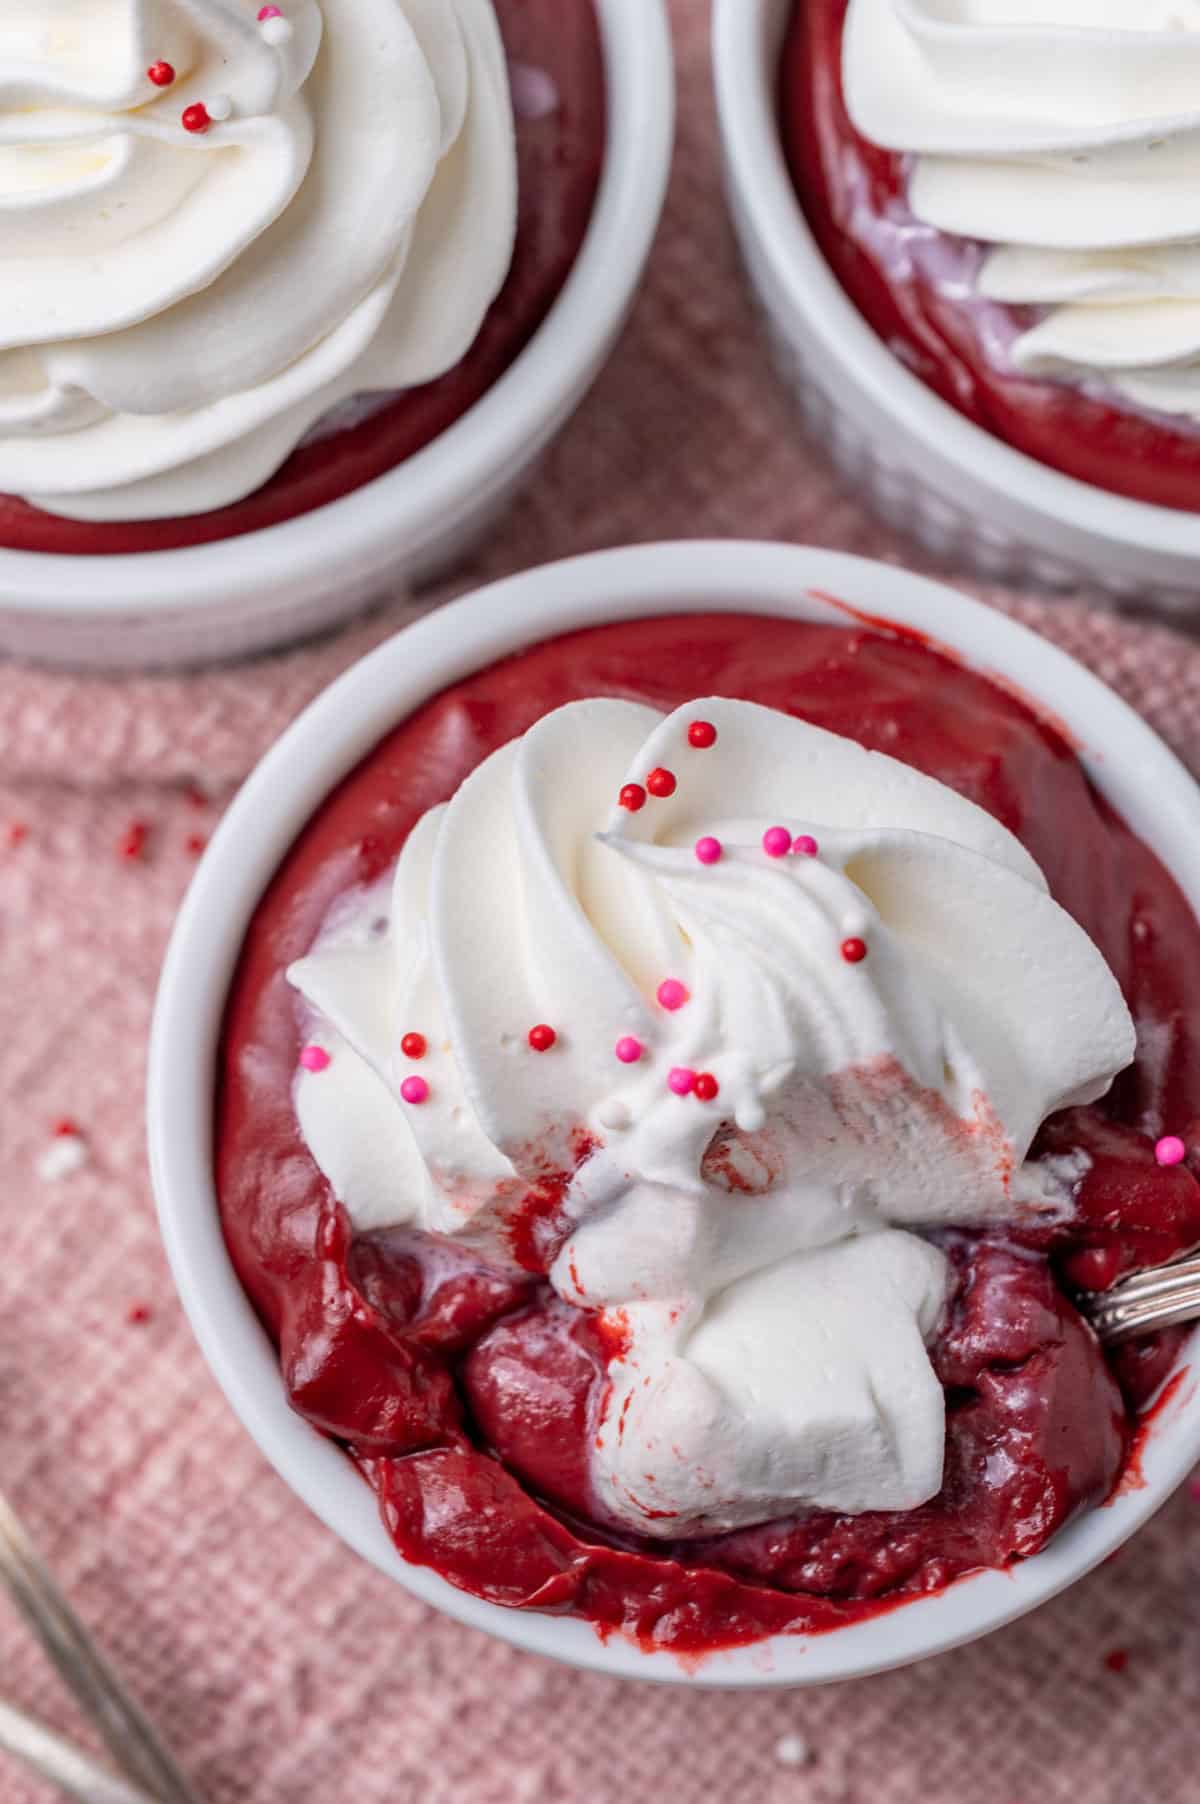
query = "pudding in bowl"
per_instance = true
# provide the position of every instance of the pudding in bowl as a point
(969, 229)
(664, 1116)
(267, 263)
(1006, 199)
(359, 206)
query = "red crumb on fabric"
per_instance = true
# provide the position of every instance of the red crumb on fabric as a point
(138, 1313)
(1117, 1659)
(15, 832)
(132, 843)
(64, 1128)
(195, 844)
(195, 797)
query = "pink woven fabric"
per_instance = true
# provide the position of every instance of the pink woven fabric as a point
(281, 1668)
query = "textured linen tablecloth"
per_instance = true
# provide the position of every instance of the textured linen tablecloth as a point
(281, 1668)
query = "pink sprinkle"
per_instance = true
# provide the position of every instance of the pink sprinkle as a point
(777, 842)
(315, 1058)
(268, 12)
(681, 1080)
(806, 846)
(629, 1050)
(709, 850)
(415, 1090)
(1170, 1150)
(534, 92)
(671, 994)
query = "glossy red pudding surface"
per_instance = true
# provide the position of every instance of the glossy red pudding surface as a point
(470, 1399)
(559, 157)
(854, 197)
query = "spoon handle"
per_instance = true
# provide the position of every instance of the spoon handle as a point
(126, 1730)
(73, 1772)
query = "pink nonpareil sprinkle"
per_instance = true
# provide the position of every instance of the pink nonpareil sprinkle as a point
(535, 93)
(709, 850)
(415, 1090)
(1170, 1150)
(681, 1081)
(315, 1058)
(672, 994)
(629, 1050)
(805, 846)
(776, 842)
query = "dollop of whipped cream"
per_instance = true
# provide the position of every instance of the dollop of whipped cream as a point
(883, 1022)
(179, 306)
(1065, 135)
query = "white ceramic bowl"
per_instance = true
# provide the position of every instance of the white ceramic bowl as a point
(244, 594)
(966, 496)
(1133, 768)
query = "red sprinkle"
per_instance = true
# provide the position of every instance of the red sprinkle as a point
(706, 1087)
(702, 734)
(854, 951)
(15, 832)
(65, 1129)
(542, 1038)
(1117, 1660)
(414, 1046)
(661, 783)
(132, 842)
(633, 797)
(195, 843)
(161, 74)
(196, 117)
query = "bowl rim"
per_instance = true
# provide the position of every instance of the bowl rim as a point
(746, 39)
(473, 456)
(1142, 778)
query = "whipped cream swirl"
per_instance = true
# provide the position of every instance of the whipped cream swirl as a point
(882, 1025)
(1065, 135)
(179, 306)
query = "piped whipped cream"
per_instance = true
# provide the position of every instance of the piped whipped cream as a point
(214, 228)
(1064, 135)
(805, 1005)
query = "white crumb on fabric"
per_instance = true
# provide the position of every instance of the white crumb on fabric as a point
(793, 1750)
(64, 1156)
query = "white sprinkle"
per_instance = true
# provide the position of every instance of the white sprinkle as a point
(534, 93)
(793, 1750)
(220, 107)
(66, 1154)
(276, 32)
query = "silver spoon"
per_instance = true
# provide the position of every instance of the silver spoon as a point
(74, 1773)
(135, 1746)
(1164, 1297)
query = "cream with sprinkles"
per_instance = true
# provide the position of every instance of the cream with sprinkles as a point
(782, 997)
(223, 220)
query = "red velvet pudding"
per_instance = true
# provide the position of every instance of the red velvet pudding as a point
(471, 1390)
(326, 390)
(1003, 205)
